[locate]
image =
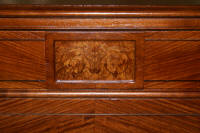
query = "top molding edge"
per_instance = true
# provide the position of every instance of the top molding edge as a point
(98, 11)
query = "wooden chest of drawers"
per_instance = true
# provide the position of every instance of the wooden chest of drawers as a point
(111, 68)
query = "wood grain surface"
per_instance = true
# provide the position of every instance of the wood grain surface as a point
(22, 35)
(173, 85)
(172, 60)
(108, 11)
(90, 60)
(147, 124)
(181, 35)
(96, 61)
(99, 124)
(27, 85)
(100, 23)
(106, 106)
(42, 47)
(22, 60)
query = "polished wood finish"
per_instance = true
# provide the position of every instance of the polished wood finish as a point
(187, 85)
(103, 2)
(172, 60)
(127, 11)
(95, 61)
(93, 93)
(46, 124)
(147, 124)
(100, 68)
(191, 35)
(22, 35)
(95, 64)
(100, 23)
(24, 50)
(26, 55)
(99, 124)
(86, 106)
(27, 85)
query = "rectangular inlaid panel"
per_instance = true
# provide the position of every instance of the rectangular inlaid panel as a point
(172, 60)
(94, 61)
(22, 60)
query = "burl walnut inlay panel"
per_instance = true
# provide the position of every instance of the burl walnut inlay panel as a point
(94, 61)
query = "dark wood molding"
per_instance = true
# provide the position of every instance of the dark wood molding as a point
(100, 24)
(126, 11)
(94, 94)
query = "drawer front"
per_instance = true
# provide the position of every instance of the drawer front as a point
(94, 60)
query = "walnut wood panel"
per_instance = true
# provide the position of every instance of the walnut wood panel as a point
(173, 85)
(157, 106)
(172, 35)
(95, 60)
(23, 84)
(172, 60)
(98, 61)
(46, 124)
(147, 124)
(22, 35)
(22, 60)
(99, 124)
(100, 23)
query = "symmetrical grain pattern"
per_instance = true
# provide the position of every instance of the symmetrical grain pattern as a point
(95, 60)
(98, 124)
(157, 106)
(22, 60)
(172, 60)
(88, 78)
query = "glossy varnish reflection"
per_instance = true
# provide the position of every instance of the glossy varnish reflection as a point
(109, 62)
(95, 60)
(109, 67)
